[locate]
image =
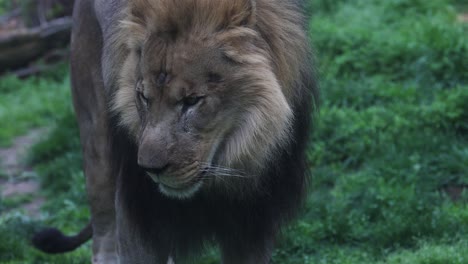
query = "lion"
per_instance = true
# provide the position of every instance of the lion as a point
(194, 118)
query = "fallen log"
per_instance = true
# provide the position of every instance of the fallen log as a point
(21, 46)
(46, 63)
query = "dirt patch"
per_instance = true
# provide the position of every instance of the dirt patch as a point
(11, 159)
(20, 179)
(25, 187)
(463, 17)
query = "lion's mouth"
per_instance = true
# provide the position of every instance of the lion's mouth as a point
(180, 190)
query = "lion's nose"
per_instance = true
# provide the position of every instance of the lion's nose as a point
(156, 164)
(156, 171)
(153, 149)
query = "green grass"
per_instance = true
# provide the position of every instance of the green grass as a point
(35, 102)
(391, 133)
(15, 201)
(43, 102)
(4, 6)
(432, 253)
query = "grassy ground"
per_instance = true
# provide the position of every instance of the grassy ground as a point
(389, 150)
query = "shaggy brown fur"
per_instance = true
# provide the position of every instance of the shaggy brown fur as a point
(210, 103)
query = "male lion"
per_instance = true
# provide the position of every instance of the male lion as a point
(193, 117)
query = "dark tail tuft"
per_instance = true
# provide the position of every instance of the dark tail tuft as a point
(53, 241)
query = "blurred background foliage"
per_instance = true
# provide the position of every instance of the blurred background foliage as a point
(389, 154)
(37, 11)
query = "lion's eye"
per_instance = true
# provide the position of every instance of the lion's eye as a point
(191, 100)
(214, 78)
(162, 78)
(140, 93)
(143, 98)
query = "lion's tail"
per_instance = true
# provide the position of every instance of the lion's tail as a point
(53, 241)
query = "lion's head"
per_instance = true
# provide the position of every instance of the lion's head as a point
(207, 89)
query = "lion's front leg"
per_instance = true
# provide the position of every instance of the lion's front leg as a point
(101, 194)
(90, 104)
(100, 186)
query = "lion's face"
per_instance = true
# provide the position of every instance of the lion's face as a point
(202, 101)
(185, 102)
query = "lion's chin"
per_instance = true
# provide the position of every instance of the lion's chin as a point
(178, 192)
(183, 193)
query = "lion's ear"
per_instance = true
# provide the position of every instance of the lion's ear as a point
(243, 13)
